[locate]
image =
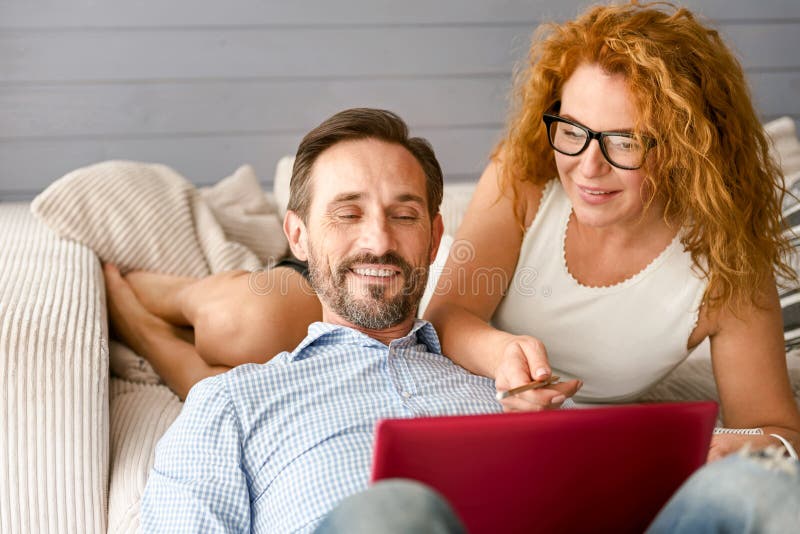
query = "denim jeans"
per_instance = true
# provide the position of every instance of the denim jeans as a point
(742, 493)
(393, 507)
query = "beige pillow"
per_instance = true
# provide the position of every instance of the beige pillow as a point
(135, 215)
(247, 216)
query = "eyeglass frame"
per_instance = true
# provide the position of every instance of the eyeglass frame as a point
(647, 142)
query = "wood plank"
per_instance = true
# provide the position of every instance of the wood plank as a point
(262, 107)
(765, 46)
(32, 165)
(182, 13)
(112, 55)
(136, 55)
(776, 93)
(244, 106)
(29, 166)
(26, 195)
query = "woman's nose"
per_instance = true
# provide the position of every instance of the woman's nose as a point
(593, 162)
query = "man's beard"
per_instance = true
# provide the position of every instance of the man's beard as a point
(372, 309)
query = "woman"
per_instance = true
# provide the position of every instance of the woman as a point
(663, 227)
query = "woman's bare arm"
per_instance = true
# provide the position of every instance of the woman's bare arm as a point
(477, 275)
(749, 363)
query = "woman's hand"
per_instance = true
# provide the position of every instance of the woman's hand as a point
(725, 444)
(524, 360)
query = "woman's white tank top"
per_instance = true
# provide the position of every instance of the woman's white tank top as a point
(621, 339)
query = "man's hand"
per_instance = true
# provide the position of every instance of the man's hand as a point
(524, 360)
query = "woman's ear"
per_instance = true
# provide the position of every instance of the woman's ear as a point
(296, 233)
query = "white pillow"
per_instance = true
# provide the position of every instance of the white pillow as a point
(435, 272)
(280, 184)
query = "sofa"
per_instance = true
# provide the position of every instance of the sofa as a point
(81, 414)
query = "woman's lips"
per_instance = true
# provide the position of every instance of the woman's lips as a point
(595, 195)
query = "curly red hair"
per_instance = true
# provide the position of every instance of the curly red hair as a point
(711, 161)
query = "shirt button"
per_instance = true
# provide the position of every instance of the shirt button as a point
(406, 395)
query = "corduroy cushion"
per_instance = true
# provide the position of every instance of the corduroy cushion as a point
(53, 381)
(140, 414)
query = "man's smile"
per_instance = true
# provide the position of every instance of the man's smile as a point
(376, 273)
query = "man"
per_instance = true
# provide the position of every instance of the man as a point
(275, 447)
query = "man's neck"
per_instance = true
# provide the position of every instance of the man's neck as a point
(384, 335)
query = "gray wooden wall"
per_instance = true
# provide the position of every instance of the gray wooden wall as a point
(206, 85)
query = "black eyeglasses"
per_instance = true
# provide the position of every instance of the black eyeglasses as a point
(621, 149)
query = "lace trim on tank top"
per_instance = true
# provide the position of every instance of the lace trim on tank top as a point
(547, 191)
(653, 265)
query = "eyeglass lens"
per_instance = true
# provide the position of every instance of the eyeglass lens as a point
(620, 150)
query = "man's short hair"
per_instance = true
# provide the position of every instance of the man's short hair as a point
(355, 124)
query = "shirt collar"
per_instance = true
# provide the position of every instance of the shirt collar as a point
(327, 333)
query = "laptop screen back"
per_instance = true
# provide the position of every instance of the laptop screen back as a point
(605, 469)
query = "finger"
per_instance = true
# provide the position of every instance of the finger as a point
(531, 400)
(544, 398)
(548, 394)
(568, 387)
(513, 409)
(536, 355)
(724, 444)
(515, 373)
(557, 401)
(512, 404)
(714, 454)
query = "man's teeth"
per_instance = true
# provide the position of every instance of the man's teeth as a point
(374, 272)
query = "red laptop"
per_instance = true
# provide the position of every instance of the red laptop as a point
(583, 470)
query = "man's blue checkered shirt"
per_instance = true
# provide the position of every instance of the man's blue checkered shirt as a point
(274, 447)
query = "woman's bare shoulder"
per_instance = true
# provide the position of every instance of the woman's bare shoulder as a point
(506, 196)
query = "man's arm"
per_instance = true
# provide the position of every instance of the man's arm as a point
(197, 483)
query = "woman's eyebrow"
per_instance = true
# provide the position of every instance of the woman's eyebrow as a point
(573, 119)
